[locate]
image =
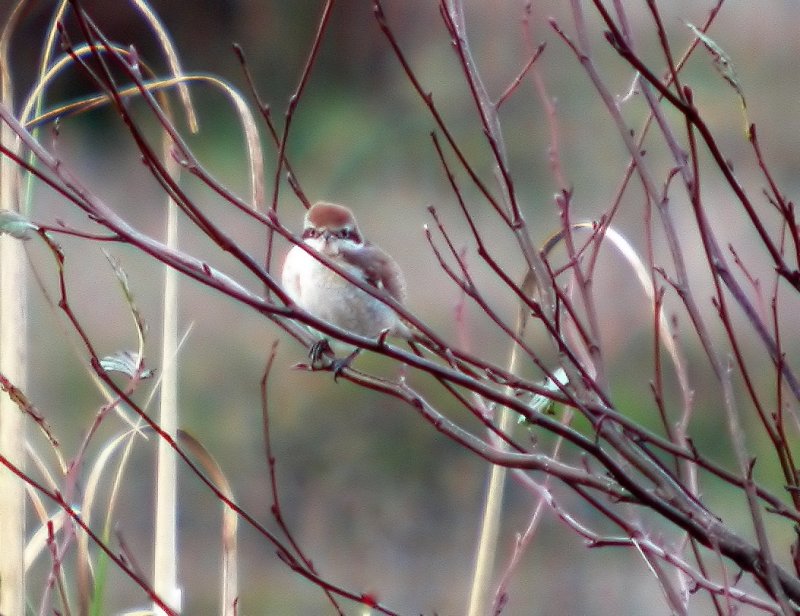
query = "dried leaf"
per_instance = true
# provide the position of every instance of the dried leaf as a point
(126, 362)
(543, 404)
(16, 225)
(122, 277)
(722, 60)
(20, 399)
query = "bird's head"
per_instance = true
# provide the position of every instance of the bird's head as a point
(330, 227)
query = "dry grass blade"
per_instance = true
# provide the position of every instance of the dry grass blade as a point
(13, 355)
(645, 280)
(172, 57)
(38, 540)
(255, 154)
(165, 537)
(230, 522)
(90, 588)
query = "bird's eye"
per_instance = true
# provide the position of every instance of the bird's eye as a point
(349, 233)
(310, 232)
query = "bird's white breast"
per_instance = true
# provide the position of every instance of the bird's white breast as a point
(325, 294)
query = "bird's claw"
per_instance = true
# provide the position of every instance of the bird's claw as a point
(321, 357)
(318, 350)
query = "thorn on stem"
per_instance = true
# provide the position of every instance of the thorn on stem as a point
(612, 40)
(378, 10)
(750, 466)
(237, 49)
(337, 365)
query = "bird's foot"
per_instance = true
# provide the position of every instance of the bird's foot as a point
(318, 351)
(321, 357)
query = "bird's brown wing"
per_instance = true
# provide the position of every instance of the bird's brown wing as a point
(380, 270)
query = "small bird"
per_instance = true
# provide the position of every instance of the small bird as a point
(332, 230)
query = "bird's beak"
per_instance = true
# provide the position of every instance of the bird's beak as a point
(329, 244)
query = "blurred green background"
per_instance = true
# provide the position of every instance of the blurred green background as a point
(379, 500)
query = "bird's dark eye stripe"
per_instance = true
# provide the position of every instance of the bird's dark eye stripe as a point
(347, 233)
(344, 233)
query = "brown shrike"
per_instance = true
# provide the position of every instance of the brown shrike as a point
(332, 230)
